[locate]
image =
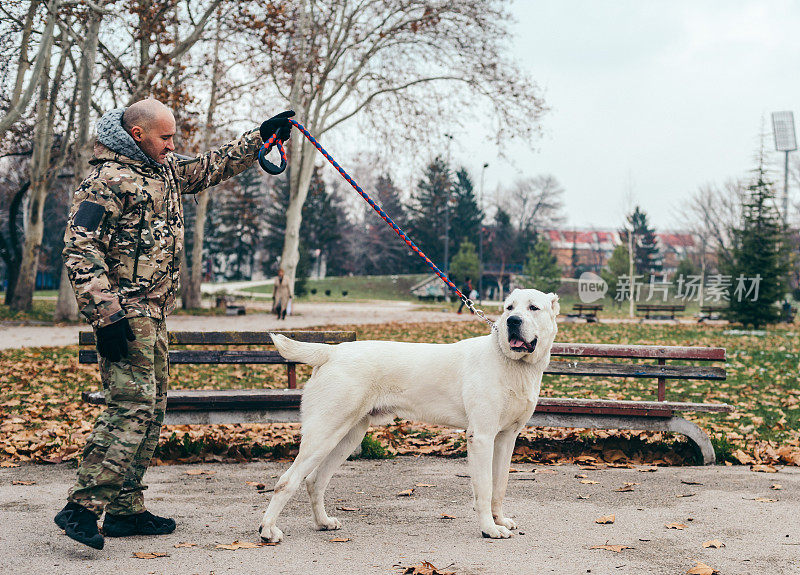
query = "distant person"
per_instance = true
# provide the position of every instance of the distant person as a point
(122, 251)
(467, 290)
(281, 295)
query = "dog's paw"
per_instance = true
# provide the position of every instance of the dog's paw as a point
(329, 524)
(270, 534)
(505, 522)
(496, 532)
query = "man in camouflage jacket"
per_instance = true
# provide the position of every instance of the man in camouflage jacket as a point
(122, 252)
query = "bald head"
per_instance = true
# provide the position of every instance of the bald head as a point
(152, 125)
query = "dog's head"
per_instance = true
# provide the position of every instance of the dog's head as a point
(527, 328)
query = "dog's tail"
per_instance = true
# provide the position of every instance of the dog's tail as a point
(314, 354)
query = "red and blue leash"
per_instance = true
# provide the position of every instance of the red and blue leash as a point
(271, 168)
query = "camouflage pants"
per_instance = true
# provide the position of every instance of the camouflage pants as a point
(126, 434)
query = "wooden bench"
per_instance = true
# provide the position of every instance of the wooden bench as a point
(586, 311)
(281, 405)
(710, 312)
(663, 311)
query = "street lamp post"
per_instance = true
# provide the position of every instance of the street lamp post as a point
(480, 235)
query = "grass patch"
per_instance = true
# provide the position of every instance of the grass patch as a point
(371, 448)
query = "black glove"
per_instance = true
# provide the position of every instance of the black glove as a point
(112, 340)
(277, 125)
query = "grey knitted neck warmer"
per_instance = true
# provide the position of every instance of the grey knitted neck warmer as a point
(113, 136)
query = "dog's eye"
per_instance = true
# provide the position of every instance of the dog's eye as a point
(533, 308)
(510, 307)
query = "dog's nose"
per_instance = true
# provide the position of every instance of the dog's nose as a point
(514, 321)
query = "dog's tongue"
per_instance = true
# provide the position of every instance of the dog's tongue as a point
(516, 342)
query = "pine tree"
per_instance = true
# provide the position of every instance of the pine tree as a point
(466, 215)
(618, 265)
(647, 257)
(385, 252)
(541, 268)
(758, 256)
(428, 213)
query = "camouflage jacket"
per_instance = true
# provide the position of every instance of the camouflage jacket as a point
(124, 233)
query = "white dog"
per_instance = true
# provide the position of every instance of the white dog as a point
(487, 385)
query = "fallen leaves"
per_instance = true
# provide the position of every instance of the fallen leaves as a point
(605, 519)
(347, 508)
(240, 545)
(713, 543)
(761, 468)
(21, 482)
(424, 485)
(446, 516)
(425, 568)
(701, 569)
(627, 487)
(589, 482)
(765, 500)
(149, 554)
(776, 486)
(679, 526)
(180, 545)
(8, 464)
(614, 548)
(200, 472)
(406, 492)
(339, 540)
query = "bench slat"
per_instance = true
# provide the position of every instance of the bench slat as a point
(638, 351)
(233, 399)
(233, 356)
(240, 337)
(642, 370)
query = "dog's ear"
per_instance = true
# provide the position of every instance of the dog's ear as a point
(555, 306)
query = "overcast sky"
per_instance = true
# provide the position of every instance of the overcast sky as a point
(649, 100)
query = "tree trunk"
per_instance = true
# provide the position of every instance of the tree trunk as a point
(34, 228)
(192, 296)
(67, 305)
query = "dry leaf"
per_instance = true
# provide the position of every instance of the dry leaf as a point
(763, 468)
(715, 543)
(627, 487)
(701, 569)
(347, 508)
(8, 464)
(406, 492)
(239, 545)
(21, 482)
(512, 470)
(425, 568)
(685, 482)
(776, 486)
(583, 496)
(200, 472)
(339, 540)
(686, 495)
(648, 470)
(614, 548)
(581, 476)
(256, 484)
(446, 516)
(149, 555)
(424, 485)
(674, 525)
(179, 545)
(605, 519)
(589, 482)
(765, 500)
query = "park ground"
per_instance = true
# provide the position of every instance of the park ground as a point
(662, 516)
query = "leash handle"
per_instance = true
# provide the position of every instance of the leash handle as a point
(265, 164)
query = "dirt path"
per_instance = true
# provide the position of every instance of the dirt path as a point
(306, 315)
(555, 512)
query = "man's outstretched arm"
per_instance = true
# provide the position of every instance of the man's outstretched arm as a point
(196, 174)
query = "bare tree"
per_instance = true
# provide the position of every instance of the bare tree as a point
(401, 66)
(713, 212)
(534, 203)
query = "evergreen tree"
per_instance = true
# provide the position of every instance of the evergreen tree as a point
(618, 265)
(427, 223)
(385, 253)
(466, 216)
(647, 257)
(465, 264)
(541, 268)
(275, 221)
(758, 256)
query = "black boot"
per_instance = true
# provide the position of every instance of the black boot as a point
(80, 524)
(144, 523)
